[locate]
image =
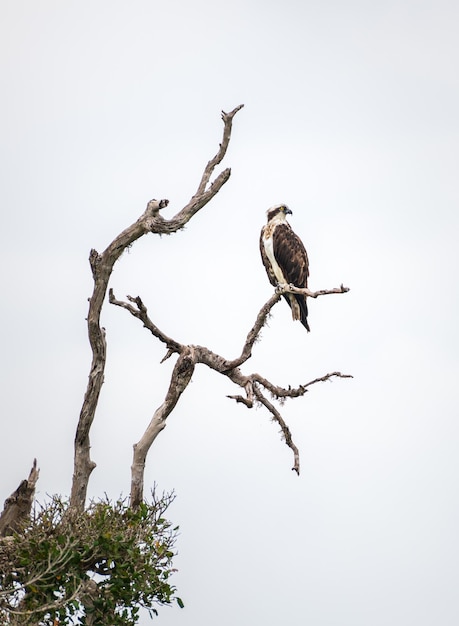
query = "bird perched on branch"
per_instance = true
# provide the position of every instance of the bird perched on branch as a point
(285, 259)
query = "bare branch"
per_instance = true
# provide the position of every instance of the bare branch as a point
(311, 294)
(280, 392)
(168, 355)
(141, 313)
(230, 369)
(255, 331)
(204, 193)
(284, 428)
(17, 507)
(327, 377)
(211, 165)
(102, 267)
(180, 378)
(248, 400)
(264, 314)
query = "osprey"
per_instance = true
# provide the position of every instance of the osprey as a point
(285, 259)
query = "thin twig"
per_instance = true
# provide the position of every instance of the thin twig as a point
(141, 313)
(284, 428)
(311, 294)
(211, 165)
(281, 392)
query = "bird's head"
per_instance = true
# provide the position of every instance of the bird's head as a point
(278, 211)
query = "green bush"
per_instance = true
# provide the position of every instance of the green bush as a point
(98, 567)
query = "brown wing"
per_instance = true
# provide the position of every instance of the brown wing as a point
(292, 258)
(291, 255)
(266, 263)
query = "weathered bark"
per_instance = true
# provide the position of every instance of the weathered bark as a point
(102, 266)
(181, 376)
(18, 506)
(252, 384)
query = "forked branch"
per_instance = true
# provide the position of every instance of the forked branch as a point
(252, 384)
(211, 165)
(102, 266)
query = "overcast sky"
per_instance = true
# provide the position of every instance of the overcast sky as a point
(351, 118)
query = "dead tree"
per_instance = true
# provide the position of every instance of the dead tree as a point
(102, 266)
(253, 385)
(255, 388)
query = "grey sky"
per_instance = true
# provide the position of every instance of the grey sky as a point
(351, 119)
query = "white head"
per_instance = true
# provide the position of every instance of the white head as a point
(279, 212)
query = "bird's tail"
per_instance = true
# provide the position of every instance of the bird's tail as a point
(303, 311)
(299, 308)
